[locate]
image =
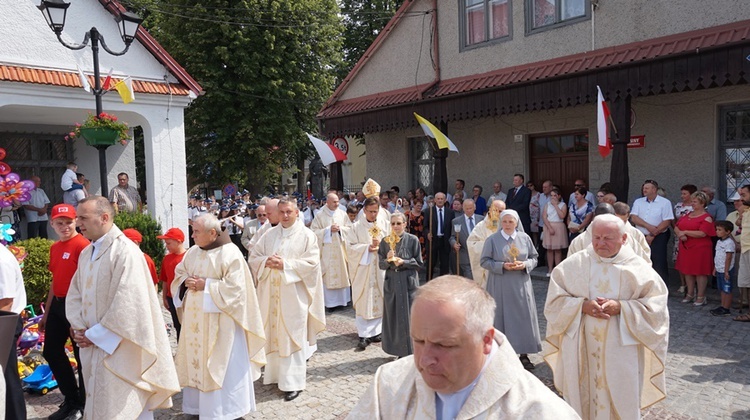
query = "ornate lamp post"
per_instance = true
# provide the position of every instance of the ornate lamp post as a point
(54, 12)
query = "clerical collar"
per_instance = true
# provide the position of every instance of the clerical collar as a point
(447, 406)
(220, 240)
(506, 236)
(274, 224)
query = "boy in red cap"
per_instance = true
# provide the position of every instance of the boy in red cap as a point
(63, 262)
(173, 239)
(136, 237)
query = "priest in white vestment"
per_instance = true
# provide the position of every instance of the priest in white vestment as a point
(363, 241)
(330, 226)
(220, 351)
(462, 368)
(253, 226)
(286, 264)
(475, 241)
(117, 322)
(372, 189)
(636, 241)
(607, 327)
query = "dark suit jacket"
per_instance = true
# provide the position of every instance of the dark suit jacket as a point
(519, 202)
(448, 217)
(463, 235)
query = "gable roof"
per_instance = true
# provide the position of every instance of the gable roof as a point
(149, 42)
(28, 74)
(587, 62)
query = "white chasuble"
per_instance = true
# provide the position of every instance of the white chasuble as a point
(210, 315)
(291, 300)
(607, 368)
(129, 371)
(475, 245)
(333, 255)
(367, 277)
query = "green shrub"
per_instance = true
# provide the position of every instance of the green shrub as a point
(36, 275)
(149, 229)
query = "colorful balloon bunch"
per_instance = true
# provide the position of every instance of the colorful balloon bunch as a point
(12, 188)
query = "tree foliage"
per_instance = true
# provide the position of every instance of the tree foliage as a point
(266, 66)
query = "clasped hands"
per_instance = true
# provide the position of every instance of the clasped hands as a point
(396, 260)
(374, 245)
(195, 283)
(601, 308)
(80, 339)
(275, 262)
(514, 266)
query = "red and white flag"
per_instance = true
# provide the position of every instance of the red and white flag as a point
(108, 80)
(328, 153)
(602, 124)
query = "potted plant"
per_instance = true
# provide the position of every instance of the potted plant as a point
(101, 130)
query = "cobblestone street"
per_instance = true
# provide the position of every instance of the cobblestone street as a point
(708, 370)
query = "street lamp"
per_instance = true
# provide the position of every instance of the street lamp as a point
(54, 12)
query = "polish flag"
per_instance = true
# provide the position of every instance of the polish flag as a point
(602, 124)
(328, 153)
(108, 80)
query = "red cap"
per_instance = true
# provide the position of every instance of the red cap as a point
(173, 233)
(63, 210)
(133, 235)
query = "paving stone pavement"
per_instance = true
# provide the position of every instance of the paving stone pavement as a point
(708, 370)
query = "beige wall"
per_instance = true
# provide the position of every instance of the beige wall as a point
(681, 144)
(403, 60)
(394, 65)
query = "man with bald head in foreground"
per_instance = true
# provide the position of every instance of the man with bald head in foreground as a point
(607, 327)
(461, 368)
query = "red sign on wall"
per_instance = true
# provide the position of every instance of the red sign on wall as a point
(636, 142)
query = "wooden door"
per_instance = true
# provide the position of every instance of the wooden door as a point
(561, 158)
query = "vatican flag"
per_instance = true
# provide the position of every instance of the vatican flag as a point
(431, 131)
(125, 89)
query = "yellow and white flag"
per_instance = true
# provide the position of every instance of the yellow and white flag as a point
(125, 89)
(431, 131)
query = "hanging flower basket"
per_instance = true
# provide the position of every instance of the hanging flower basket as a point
(100, 136)
(101, 130)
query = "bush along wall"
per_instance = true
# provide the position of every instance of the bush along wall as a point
(149, 229)
(36, 275)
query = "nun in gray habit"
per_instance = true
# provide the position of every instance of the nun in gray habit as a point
(401, 281)
(509, 256)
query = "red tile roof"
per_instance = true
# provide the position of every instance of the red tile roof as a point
(71, 79)
(683, 43)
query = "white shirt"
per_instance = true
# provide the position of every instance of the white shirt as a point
(499, 196)
(471, 226)
(724, 246)
(440, 212)
(97, 244)
(68, 179)
(652, 212)
(552, 215)
(38, 199)
(11, 281)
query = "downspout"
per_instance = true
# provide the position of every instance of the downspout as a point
(435, 51)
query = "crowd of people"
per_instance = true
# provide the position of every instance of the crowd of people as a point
(261, 273)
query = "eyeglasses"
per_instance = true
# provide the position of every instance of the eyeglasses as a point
(396, 223)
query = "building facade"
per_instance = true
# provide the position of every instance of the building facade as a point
(513, 84)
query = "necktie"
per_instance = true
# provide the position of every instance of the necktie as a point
(471, 223)
(440, 222)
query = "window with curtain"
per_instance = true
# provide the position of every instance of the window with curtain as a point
(550, 12)
(485, 20)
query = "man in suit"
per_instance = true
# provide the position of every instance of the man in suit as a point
(467, 222)
(519, 198)
(437, 230)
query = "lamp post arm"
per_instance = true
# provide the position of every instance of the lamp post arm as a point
(104, 45)
(74, 46)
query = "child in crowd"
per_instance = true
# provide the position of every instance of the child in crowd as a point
(173, 239)
(69, 180)
(723, 264)
(137, 238)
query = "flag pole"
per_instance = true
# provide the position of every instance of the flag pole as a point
(429, 269)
